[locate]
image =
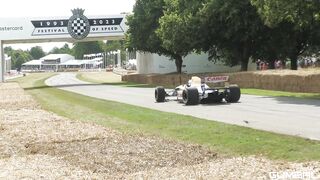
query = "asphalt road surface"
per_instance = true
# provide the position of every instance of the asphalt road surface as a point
(292, 116)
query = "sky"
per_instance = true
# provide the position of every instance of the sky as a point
(53, 8)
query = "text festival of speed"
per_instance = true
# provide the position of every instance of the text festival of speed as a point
(97, 25)
(62, 30)
(61, 23)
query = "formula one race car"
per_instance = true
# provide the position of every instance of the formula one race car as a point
(197, 91)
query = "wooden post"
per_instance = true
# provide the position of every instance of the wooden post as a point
(2, 62)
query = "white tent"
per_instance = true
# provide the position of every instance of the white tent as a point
(33, 63)
(72, 63)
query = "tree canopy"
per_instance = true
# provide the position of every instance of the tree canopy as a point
(37, 52)
(302, 13)
(178, 26)
(81, 48)
(113, 46)
(232, 31)
(18, 57)
(143, 33)
(63, 50)
(300, 20)
(143, 24)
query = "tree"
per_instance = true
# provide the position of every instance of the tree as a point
(8, 50)
(115, 45)
(274, 44)
(37, 52)
(81, 48)
(65, 49)
(232, 31)
(299, 19)
(179, 28)
(143, 24)
(55, 50)
(112, 46)
(18, 57)
(299, 12)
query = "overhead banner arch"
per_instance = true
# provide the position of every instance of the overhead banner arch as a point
(73, 28)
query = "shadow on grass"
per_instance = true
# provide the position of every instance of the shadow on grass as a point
(299, 96)
(295, 100)
(128, 84)
(282, 94)
(102, 84)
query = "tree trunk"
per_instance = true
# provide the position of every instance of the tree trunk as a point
(244, 57)
(244, 61)
(294, 59)
(244, 64)
(294, 63)
(178, 61)
(300, 47)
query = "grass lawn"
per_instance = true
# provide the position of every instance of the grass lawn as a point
(262, 92)
(228, 140)
(107, 78)
(99, 77)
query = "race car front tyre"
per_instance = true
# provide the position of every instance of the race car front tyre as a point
(233, 94)
(190, 96)
(160, 94)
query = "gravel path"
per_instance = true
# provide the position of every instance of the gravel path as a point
(35, 144)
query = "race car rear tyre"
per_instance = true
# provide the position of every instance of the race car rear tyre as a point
(160, 94)
(190, 96)
(233, 94)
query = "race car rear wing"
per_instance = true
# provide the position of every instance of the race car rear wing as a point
(216, 79)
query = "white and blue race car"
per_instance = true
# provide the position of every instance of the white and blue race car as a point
(197, 91)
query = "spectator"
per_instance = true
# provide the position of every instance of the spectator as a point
(278, 64)
(264, 65)
(258, 62)
(317, 63)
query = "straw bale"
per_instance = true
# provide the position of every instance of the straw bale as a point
(228, 168)
(90, 147)
(12, 96)
(41, 167)
(304, 80)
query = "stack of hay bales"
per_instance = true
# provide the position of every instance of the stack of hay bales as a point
(281, 80)
(286, 80)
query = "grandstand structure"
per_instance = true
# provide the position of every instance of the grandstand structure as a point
(64, 62)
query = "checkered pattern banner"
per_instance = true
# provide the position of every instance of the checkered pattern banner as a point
(78, 26)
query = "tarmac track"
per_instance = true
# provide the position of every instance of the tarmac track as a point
(292, 116)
